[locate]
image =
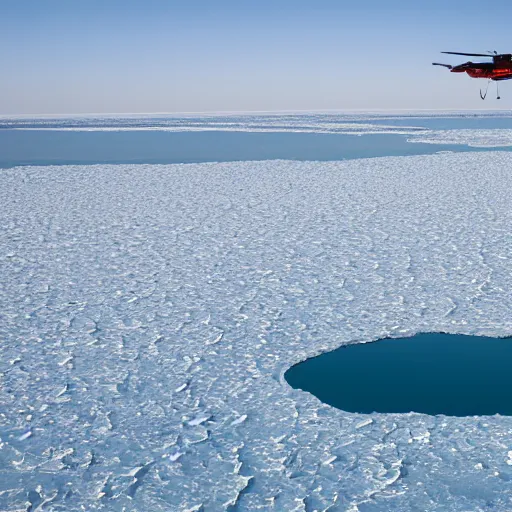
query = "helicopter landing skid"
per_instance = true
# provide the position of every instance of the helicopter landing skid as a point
(484, 95)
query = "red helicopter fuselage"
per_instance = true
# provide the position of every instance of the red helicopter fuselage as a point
(500, 69)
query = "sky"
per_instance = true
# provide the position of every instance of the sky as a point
(112, 56)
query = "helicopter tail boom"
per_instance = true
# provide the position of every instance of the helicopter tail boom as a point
(444, 65)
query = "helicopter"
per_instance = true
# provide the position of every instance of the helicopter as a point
(499, 69)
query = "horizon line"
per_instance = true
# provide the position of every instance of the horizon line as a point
(249, 112)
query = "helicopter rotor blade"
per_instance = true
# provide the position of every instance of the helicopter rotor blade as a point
(470, 54)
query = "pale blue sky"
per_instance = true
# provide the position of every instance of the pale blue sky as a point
(64, 56)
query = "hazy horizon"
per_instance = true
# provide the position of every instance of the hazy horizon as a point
(174, 57)
(251, 112)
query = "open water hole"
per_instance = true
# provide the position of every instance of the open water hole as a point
(431, 373)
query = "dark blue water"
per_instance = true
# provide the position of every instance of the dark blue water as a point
(40, 147)
(431, 373)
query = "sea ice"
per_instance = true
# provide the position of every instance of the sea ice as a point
(474, 138)
(118, 280)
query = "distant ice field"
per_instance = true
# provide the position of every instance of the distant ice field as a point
(238, 137)
(332, 122)
(149, 312)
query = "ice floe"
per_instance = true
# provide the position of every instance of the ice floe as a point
(284, 259)
(475, 138)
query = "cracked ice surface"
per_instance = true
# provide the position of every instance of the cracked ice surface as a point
(148, 314)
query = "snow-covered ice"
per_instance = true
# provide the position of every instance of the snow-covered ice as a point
(475, 138)
(148, 313)
(339, 123)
